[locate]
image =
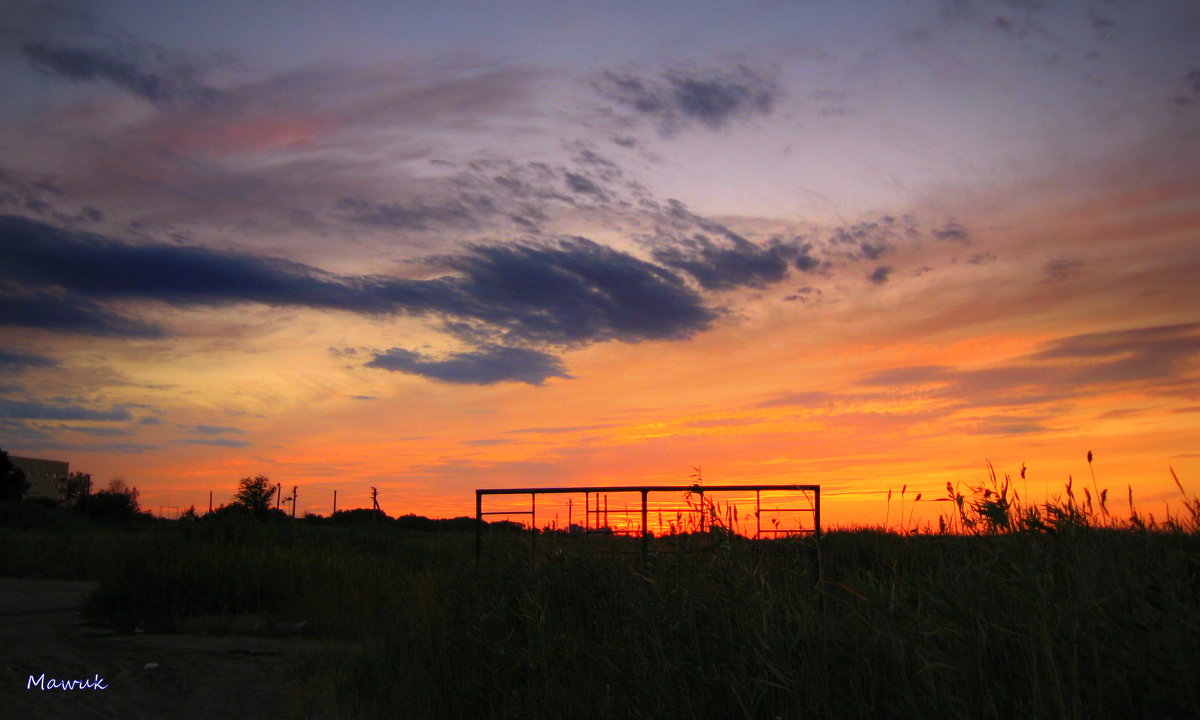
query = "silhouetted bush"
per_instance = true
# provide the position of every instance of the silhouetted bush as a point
(359, 516)
(420, 523)
(114, 504)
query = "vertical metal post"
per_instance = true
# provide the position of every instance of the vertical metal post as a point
(701, 511)
(645, 527)
(817, 511)
(532, 523)
(587, 510)
(335, 502)
(758, 514)
(210, 500)
(478, 526)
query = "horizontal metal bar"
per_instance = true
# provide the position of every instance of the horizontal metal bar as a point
(510, 512)
(803, 509)
(640, 488)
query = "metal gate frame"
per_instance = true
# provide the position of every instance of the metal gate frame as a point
(645, 491)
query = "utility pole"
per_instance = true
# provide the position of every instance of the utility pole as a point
(278, 494)
(294, 489)
(375, 499)
(335, 502)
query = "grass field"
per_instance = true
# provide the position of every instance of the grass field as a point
(1060, 611)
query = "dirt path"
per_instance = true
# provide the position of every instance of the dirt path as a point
(147, 676)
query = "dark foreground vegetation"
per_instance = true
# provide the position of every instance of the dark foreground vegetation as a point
(1055, 611)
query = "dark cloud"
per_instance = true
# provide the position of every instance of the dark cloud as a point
(34, 410)
(952, 231)
(149, 72)
(99, 268)
(1191, 89)
(880, 275)
(580, 184)
(872, 239)
(568, 292)
(486, 365)
(1062, 269)
(680, 97)
(805, 295)
(12, 360)
(735, 261)
(213, 430)
(97, 431)
(56, 313)
(1102, 25)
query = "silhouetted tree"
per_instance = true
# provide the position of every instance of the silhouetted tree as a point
(254, 494)
(79, 485)
(118, 502)
(12, 479)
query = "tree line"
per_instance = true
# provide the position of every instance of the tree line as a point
(252, 501)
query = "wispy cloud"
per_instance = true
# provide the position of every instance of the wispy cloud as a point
(213, 430)
(1156, 359)
(216, 442)
(149, 72)
(680, 97)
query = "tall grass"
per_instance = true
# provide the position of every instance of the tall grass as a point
(995, 506)
(1017, 610)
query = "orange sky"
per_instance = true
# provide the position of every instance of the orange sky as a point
(791, 249)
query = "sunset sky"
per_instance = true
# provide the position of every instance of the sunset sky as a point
(433, 247)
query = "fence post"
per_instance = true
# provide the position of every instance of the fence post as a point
(478, 525)
(645, 526)
(817, 512)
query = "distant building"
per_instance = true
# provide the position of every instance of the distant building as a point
(46, 478)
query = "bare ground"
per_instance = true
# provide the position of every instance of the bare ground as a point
(148, 675)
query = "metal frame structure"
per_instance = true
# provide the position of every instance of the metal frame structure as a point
(645, 491)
